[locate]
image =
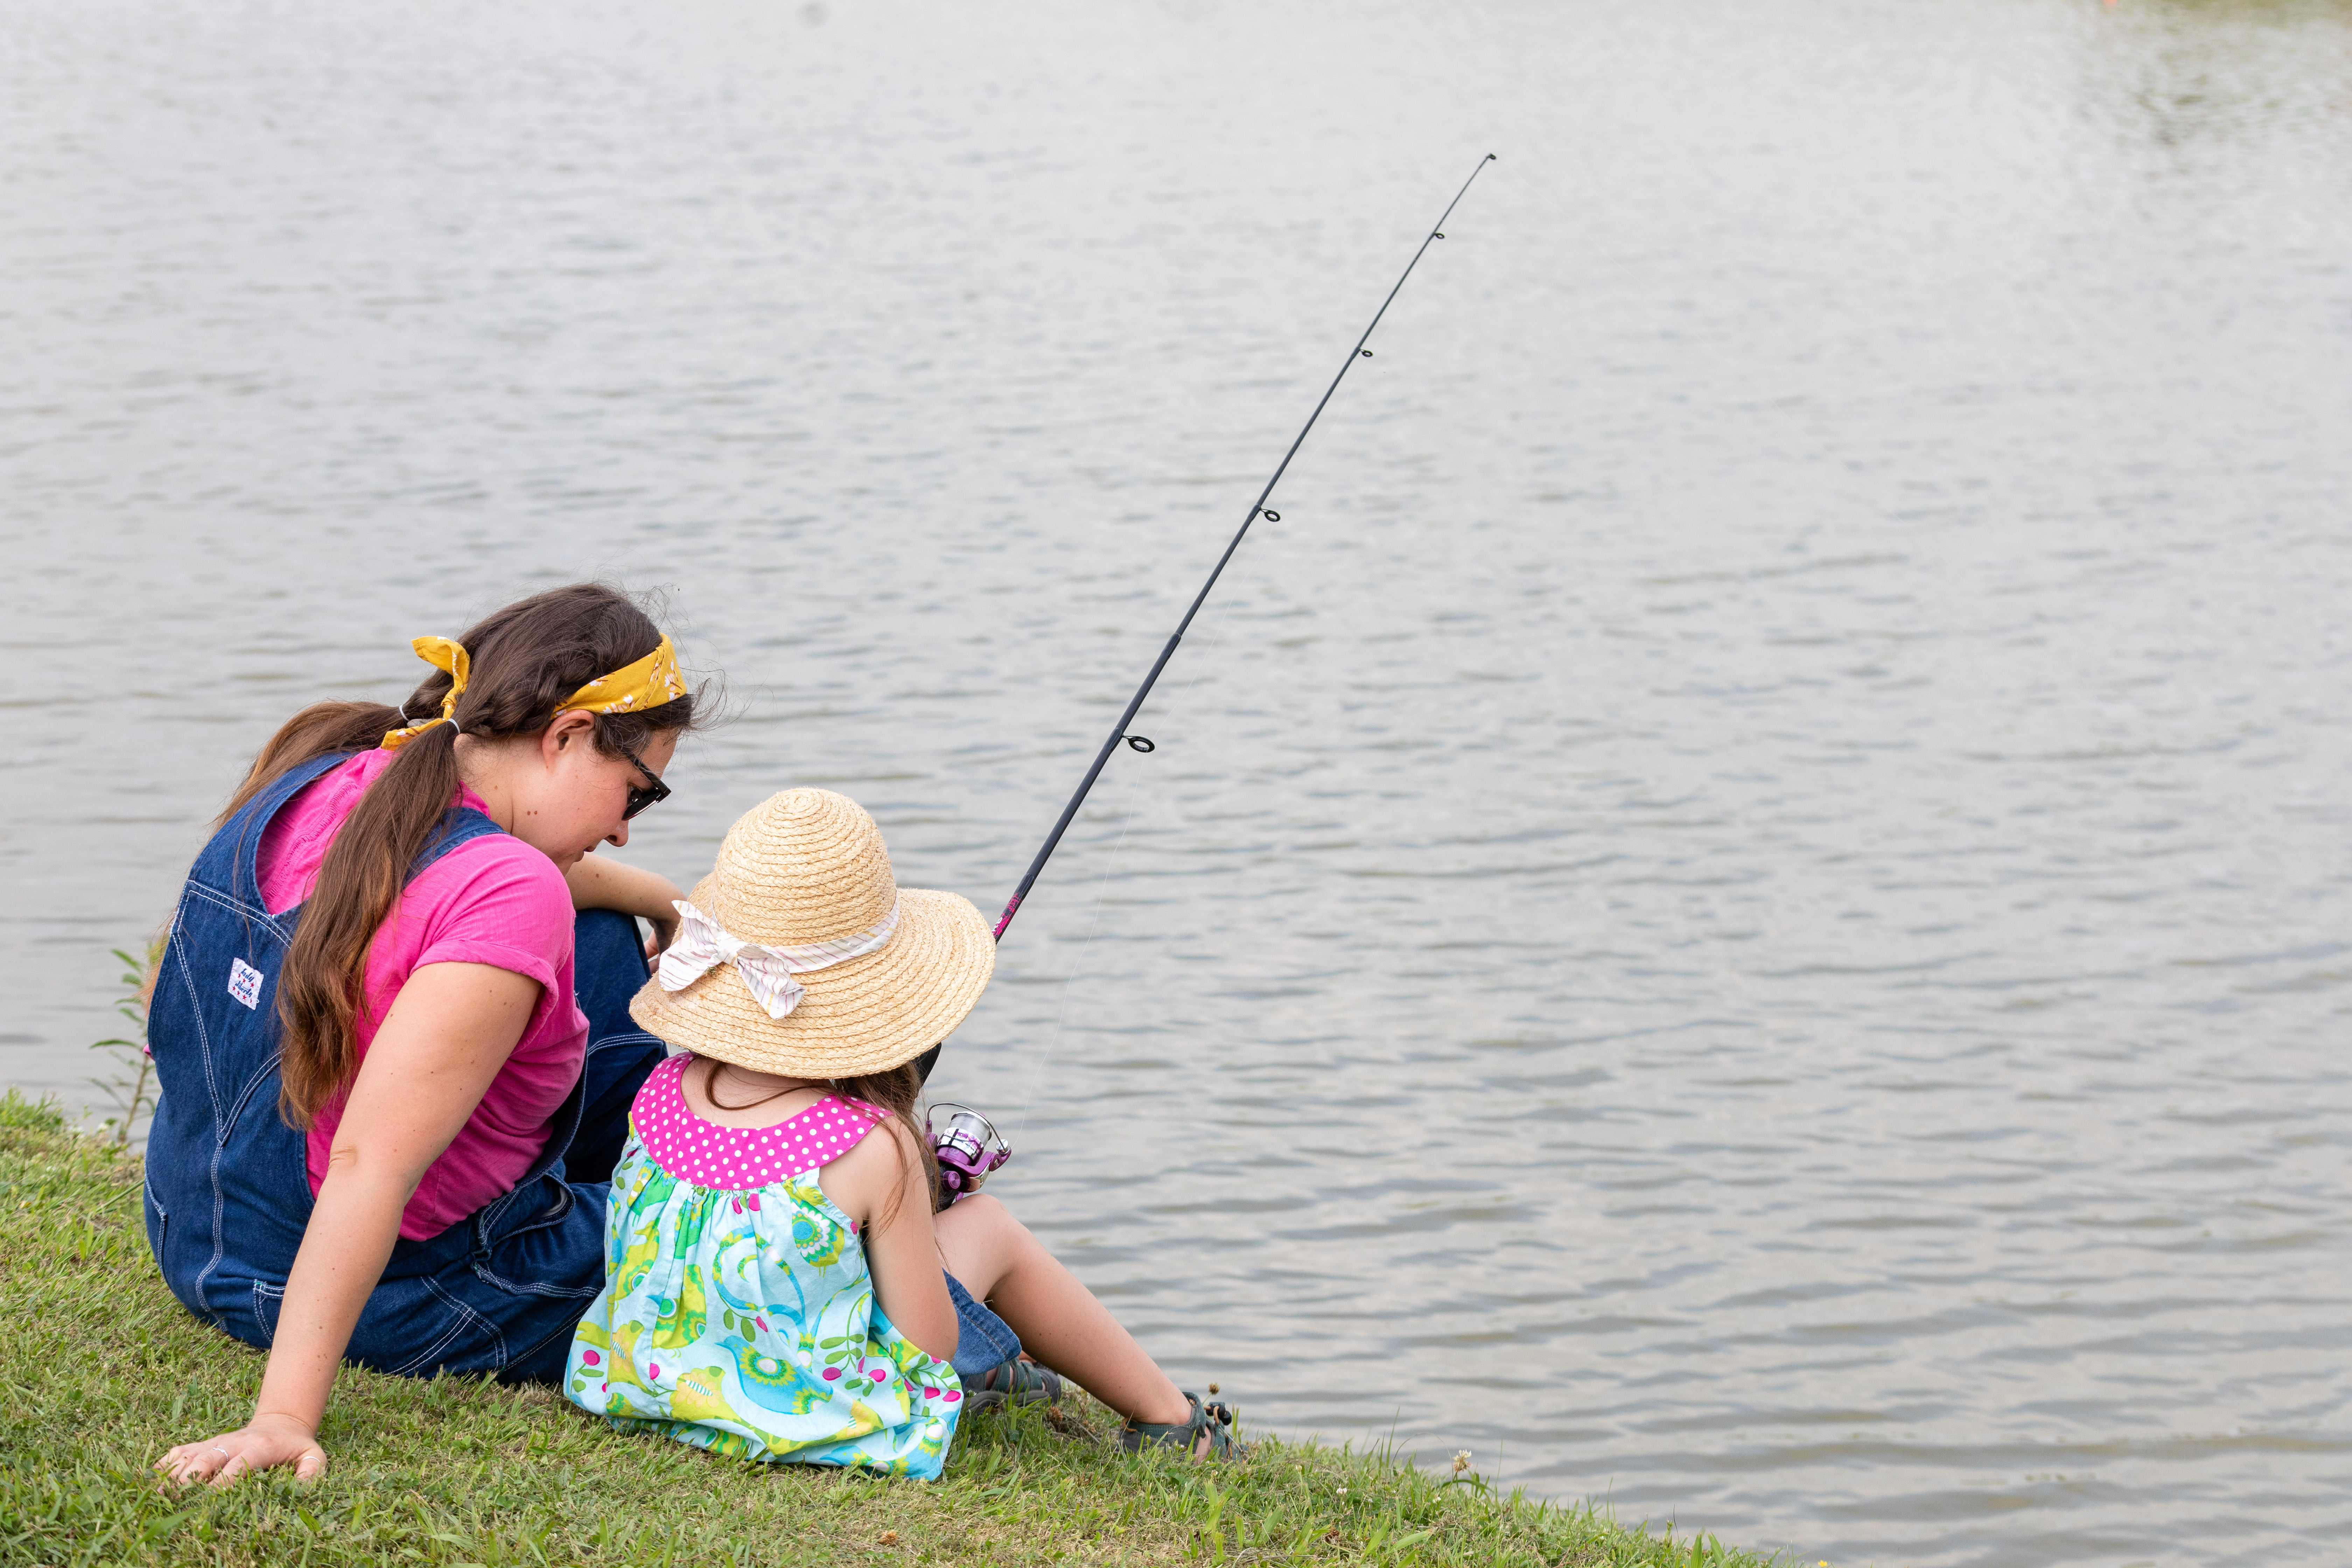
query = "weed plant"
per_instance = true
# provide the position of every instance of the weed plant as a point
(131, 1083)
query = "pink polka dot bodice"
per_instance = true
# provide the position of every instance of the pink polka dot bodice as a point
(741, 1158)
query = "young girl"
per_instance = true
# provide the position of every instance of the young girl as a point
(774, 1269)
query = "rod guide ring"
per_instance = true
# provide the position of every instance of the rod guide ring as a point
(1141, 744)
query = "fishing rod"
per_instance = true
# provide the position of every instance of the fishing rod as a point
(1257, 509)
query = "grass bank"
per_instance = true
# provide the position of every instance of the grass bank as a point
(103, 1371)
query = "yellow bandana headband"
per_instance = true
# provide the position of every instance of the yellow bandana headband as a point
(648, 683)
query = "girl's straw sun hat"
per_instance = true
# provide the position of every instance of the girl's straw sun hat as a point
(758, 975)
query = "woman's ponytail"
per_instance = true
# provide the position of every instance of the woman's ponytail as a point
(324, 982)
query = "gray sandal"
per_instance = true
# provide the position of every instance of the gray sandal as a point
(1013, 1382)
(1214, 1421)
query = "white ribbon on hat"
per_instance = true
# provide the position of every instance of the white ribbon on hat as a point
(701, 946)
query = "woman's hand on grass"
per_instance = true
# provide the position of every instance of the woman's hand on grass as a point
(268, 1442)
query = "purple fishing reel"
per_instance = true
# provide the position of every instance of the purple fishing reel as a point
(966, 1146)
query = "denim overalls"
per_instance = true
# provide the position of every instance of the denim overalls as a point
(228, 1192)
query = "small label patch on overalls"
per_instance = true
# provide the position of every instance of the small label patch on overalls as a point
(245, 982)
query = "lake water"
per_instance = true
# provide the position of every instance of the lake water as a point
(1743, 909)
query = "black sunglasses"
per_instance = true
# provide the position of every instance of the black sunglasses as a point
(639, 799)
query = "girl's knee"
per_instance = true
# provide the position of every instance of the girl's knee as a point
(979, 1212)
(984, 1224)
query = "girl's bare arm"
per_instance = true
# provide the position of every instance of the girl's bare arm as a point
(900, 1249)
(451, 1028)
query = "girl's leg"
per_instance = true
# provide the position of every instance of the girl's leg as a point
(1058, 1320)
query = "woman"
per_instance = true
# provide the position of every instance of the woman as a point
(387, 1125)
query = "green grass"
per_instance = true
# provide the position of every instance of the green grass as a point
(102, 1371)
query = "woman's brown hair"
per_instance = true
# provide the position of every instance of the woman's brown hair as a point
(524, 659)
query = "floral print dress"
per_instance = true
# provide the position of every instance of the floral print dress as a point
(737, 1314)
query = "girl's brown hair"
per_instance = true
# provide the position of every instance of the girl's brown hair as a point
(895, 1089)
(524, 659)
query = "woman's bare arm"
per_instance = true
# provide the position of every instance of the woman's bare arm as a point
(450, 1031)
(599, 882)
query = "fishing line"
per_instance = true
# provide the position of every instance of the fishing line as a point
(1143, 743)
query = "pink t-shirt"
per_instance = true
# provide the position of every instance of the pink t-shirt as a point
(493, 899)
